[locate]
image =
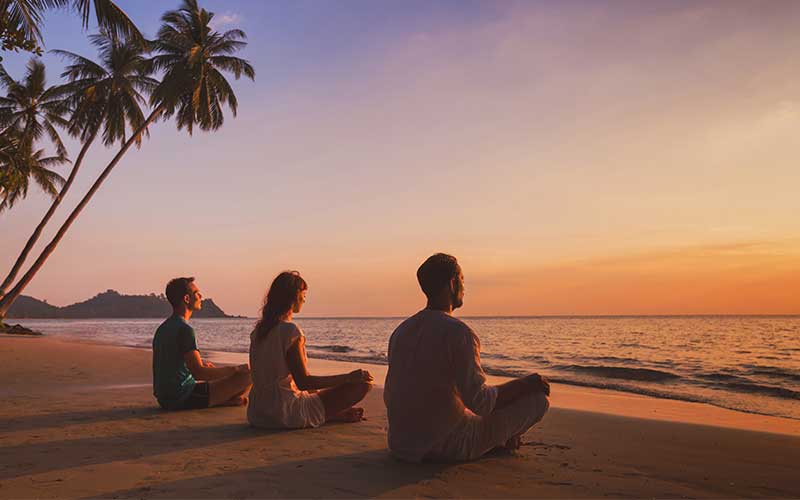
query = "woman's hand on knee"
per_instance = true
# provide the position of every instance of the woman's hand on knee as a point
(360, 377)
(537, 383)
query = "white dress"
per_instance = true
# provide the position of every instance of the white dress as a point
(275, 400)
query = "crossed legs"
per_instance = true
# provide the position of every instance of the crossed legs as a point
(229, 391)
(474, 435)
(338, 402)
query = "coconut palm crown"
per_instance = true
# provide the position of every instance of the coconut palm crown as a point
(26, 16)
(19, 163)
(192, 58)
(110, 93)
(31, 107)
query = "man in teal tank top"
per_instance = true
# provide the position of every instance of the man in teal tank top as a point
(181, 379)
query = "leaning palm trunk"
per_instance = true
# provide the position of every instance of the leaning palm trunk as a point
(7, 300)
(12, 274)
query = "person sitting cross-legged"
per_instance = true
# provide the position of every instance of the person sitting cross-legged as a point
(439, 406)
(182, 380)
(285, 395)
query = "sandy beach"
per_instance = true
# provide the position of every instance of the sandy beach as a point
(92, 429)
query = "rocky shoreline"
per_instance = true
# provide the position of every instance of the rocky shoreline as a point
(17, 330)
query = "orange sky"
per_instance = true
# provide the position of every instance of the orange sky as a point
(578, 158)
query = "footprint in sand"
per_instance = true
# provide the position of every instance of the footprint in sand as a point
(539, 444)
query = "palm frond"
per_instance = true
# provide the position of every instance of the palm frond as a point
(233, 65)
(27, 16)
(52, 133)
(234, 34)
(110, 18)
(223, 89)
(6, 81)
(47, 180)
(81, 67)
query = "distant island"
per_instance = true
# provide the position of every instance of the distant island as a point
(109, 304)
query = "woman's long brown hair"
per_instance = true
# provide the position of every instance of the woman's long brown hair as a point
(282, 295)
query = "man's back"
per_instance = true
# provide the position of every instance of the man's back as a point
(434, 371)
(172, 380)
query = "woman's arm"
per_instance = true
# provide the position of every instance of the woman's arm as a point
(296, 360)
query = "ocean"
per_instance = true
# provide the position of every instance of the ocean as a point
(744, 363)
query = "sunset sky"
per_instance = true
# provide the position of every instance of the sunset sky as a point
(577, 157)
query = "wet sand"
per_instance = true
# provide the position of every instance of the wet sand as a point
(79, 420)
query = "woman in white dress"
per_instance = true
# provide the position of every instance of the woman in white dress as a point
(284, 394)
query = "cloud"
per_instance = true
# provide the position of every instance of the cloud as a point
(224, 20)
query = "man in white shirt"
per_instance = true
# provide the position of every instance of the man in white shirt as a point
(439, 404)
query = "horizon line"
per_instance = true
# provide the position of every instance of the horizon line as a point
(557, 316)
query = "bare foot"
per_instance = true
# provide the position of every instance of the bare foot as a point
(349, 415)
(514, 443)
(236, 401)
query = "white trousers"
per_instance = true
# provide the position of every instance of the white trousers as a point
(473, 435)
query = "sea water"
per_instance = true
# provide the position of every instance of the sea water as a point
(745, 363)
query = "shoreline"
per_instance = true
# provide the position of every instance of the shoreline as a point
(567, 396)
(605, 401)
(737, 381)
(79, 420)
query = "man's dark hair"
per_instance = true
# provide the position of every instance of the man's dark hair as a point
(436, 272)
(177, 289)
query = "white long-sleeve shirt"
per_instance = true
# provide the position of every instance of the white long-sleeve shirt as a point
(434, 374)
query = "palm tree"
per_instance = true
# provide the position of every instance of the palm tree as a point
(107, 95)
(25, 17)
(10, 158)
(19, 163)
(192, 58)
(32, 107)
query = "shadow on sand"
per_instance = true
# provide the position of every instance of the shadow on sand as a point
(69, 453)
(357, 475)
(88, 416)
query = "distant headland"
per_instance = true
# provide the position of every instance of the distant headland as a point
(108, 304)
